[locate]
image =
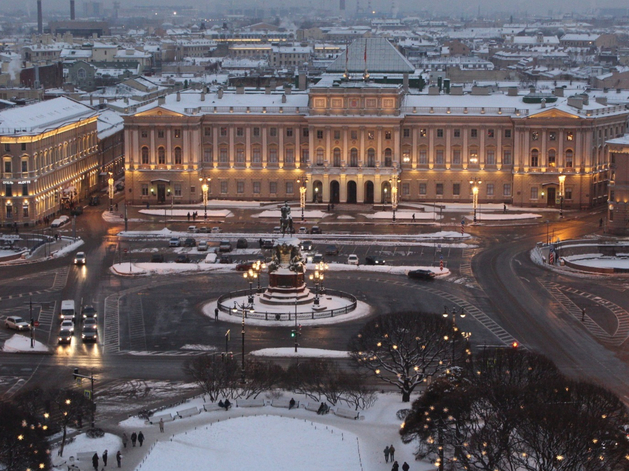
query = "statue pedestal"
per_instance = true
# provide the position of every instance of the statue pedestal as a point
(286, 288)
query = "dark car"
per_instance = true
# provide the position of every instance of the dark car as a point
(225, 259)
(190, 242)
(157, 258)
(242, 244)
(89, 335)
(307, 245)
(375, 260)
(331, 250)
(421, 274)
(315, 230)
(204, 230)
(182, 258)
(268, 244)
(88, 312)
(77, 211)
(65, 336)
(244, 266)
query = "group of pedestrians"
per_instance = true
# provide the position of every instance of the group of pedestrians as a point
(193, 216)
(95, 460)
(135, 437)
(389, 455)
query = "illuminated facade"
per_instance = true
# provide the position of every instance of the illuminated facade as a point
(618, 204)
(353, 139)
(49, 154)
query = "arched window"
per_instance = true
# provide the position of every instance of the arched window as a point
(177, 155)
(145, 155)
(569, 157)
(534, 158)
(388, 158)
(552, 158)
(371, 158)
(161, 156)
(337, 157)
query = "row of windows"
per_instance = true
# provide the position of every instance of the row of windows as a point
(224, 188)
(10, 191)
(490, 189)
(551, 158)
(9, 213)
(535, 194)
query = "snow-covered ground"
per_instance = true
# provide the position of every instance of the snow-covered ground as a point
(595, 260)
(82, 444)
(277, 214)
(183, 213)
(22, 343)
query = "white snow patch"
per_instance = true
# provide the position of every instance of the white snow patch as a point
(22, 343)
(82, 443)
(301, 353)
(277, 214)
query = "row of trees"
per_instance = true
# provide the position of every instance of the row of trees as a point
(28, 421)
(318, 379)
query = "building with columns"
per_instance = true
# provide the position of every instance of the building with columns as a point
(356, 141)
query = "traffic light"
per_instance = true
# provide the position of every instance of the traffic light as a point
(515, 345)
(293, 333)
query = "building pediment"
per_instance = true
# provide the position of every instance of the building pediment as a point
(159, 112)
(553, 113)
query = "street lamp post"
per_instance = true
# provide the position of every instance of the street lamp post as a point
(110, 182)
(562, 181)
(475, 182)
(258, 266)
(302, 194)
(394, 193)
(244, 308)
(318, 277)
(250, 276)
(454, 327)
(205, 187)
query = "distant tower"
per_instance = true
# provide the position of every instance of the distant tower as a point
(40, 21)
(394, 9)
(72, 15)
(116, 8)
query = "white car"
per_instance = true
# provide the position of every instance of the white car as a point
(202, 247)
(303, 230)
(352, 259)
(216, 230)
(174, 242)
(16, 323)
(68, 325)
(79, 258)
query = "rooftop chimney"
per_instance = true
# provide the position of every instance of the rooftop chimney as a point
(40, 21)
(72, 16)
(178, 96)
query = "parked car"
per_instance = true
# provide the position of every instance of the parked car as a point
(375, 260)
(352, 259)
(79, 258)
(190, 242)
(16, 323)
(174, 242)
(65, 335)
(242, 244)
(157, 258)
(204, 230)
(306, 245)
(88, 312)
(332, 250)
(303, 230)
(268, 244)
(316, 230)
(216, 230)
(277, 230)
(225, 246)
(225, 259)
(244, 266)
(317, 258)
(202, 247)
(77, 211)
(193, 229)
(182, 258)
(68, 325)
(420, 274)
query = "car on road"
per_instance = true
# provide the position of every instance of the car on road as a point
(204, 230)
(157, 258)
(182, 258)
(79, 258)
(190, 242)
(68, 325)
(225, 259)
(77, 211)
(225, 246)
(16, 323)
(352, 259)
(174, 242)
(244, 266)
(303, 230)
(89, 324)
(89, 335)
(203, 246)
(193, 229)
(277, 230)
(89, 312)
(331, 250)
(216, 230)
(317, 258)
(268, 244)
(306, 245)
(421, 274)
(316, 230)
(65, 335)
(375, 260)
(242, 243)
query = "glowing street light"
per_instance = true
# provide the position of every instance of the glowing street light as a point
(475, 182)
(205, 187)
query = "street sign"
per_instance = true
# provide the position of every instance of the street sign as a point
(36, 323)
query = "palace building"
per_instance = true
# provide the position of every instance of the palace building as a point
(357, 141)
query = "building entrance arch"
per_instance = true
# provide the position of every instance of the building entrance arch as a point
(351, 192)
(335, 192)
(369, 192)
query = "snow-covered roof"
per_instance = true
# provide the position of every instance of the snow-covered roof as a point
(373, 54)
(109, 123)
(43, 116)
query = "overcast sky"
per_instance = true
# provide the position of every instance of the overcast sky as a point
(382, 7)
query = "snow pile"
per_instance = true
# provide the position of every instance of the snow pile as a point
(277, 214)
(165, 211)
(68, 248)
(22, 343)
(301, 353)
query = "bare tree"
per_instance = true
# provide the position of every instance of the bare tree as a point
(406, 348)
(261, 377)
(309, 378)
(215, 375)
(67, 407)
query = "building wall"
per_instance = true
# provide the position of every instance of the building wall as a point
(618, 206)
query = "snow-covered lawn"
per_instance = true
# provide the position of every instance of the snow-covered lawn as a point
(599, 261)
(503, 217)
(22, 343)
(277, 214)
(183, 213)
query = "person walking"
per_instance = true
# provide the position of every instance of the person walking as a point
(188, 216)
(161, 425)
(405, 466)
(413, 217)
(140, 438)
(134, 437)
(119, 459)
(105, 458)
(386, 454)
(391, 452)
(95, 461)
(125, 439)
(395, 466)
(215, 314)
